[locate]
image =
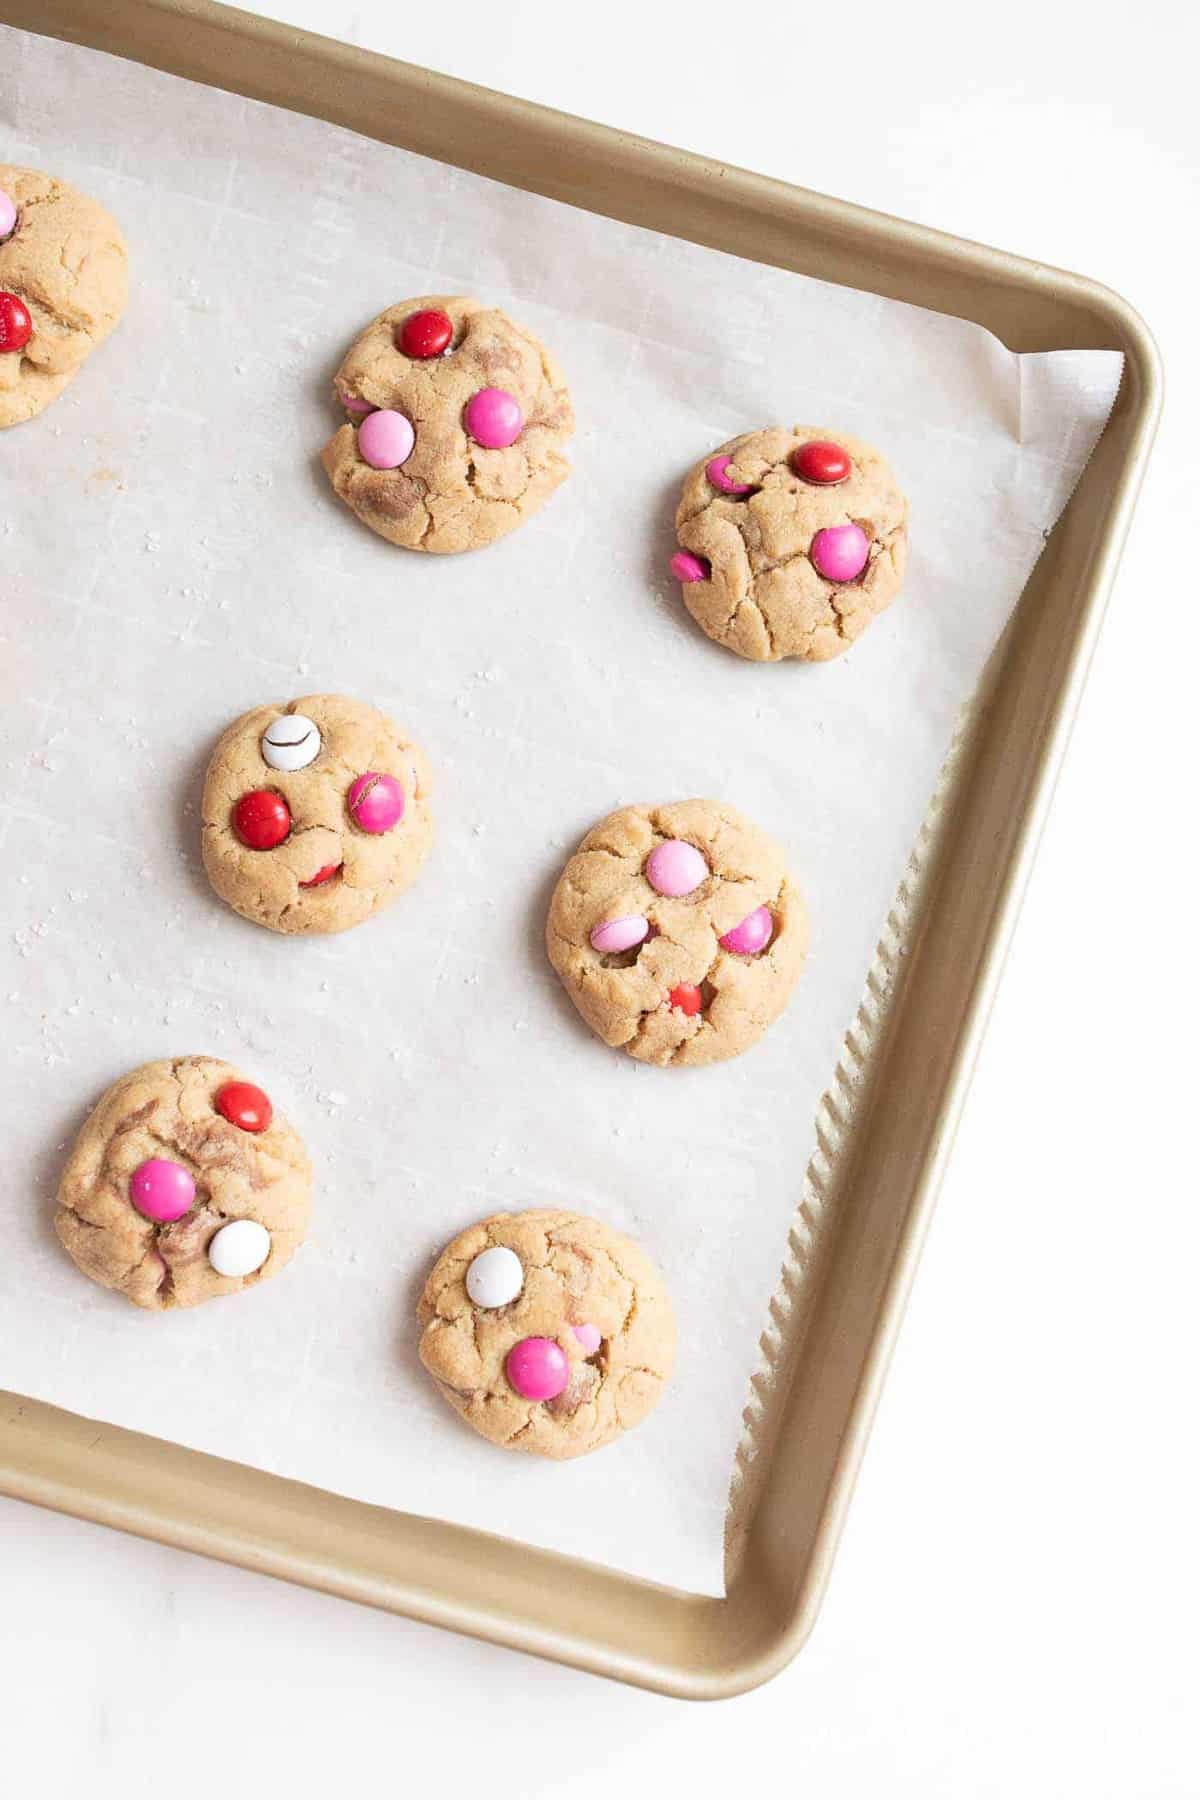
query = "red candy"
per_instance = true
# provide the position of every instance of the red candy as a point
(244, 1105)
(687, 998)
(262, 819)
(425, 334)
(16, 326)
(322, 875)
(822, 463)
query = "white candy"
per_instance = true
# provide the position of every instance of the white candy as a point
(240, 1247)
(495, 1277)
(291, 742)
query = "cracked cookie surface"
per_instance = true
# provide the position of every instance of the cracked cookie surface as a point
(65, 259)
(167, 1110)
(590, 1294)
(326, 872)
(676, 994)
(761, 595)
(451, 492)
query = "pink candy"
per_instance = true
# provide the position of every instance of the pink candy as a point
(375, 802)
(589, 1337)
(385, 439)
(537, 1368)
(354, 405)
(840, 552)
(620, 934)
(161, 1190)
(686, 567)
(494, 418)
(675, 868)
(717, 472)
(752, 935)
(8, 214)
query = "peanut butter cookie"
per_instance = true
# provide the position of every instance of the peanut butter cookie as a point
(547, 1331)
(184, 1184)
(677, 931)
(64, 283)
(457, 422)
(791, 542)
(315, 814)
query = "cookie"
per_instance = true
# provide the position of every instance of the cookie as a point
(184, 1184)
(457, 422)
(790, 542)
(315, 814)
(63, 286)
(677, 931)
(547, 1331)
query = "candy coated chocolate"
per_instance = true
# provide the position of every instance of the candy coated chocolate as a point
(620, 934)
(686, 567)
(717, 471)
(425, 334)
(244, 1105)
(840, 552)
(262, 819)
(162, 1190)
(494, 418)
(240, 1248)
(495, 1277)
(537, 1368)
(752, 935)
(822, 463)
(386, 439)
(675, 868)
(375, 802)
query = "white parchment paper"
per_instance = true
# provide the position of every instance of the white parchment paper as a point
(170, 554)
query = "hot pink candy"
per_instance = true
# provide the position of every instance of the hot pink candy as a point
(385, 439)
(620, 934)
(537, 1368)
(675, 868)
(375, 802)
(493, 418)
(752, 935)
(840, 552)
(717, 471)
(161, 1190)
(8, 214)
(589, 1337)
(686, 567)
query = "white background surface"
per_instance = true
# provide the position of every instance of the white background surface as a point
(1013, 1604)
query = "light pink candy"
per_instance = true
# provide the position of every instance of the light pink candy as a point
(589, 1337)
(675, 868)
(717, 471)
(375, 802)
(537, 1368)
(686, 567)
(752, 935)
(161, 1190)
(385, 439)
(620, 934)
(8, 213)
(354, 405)
(840, 552)
(493, 418)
